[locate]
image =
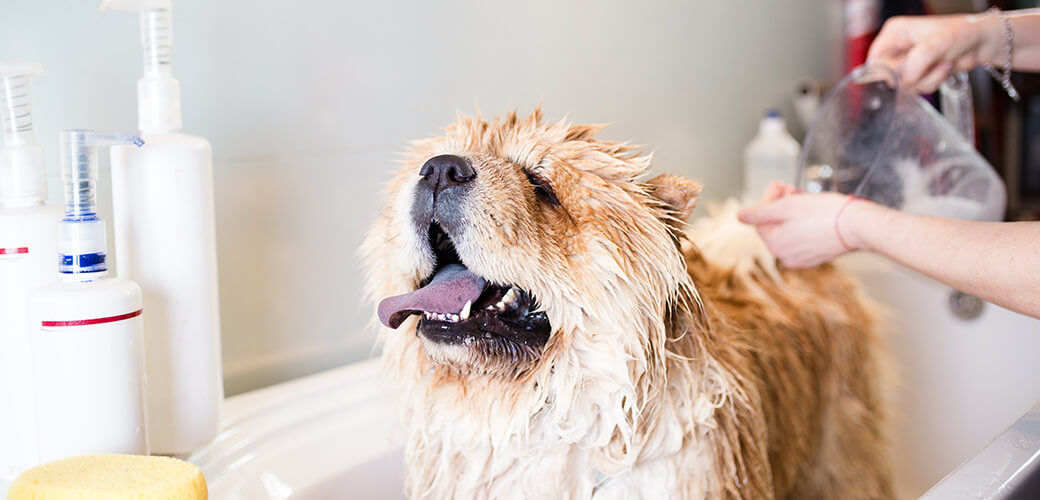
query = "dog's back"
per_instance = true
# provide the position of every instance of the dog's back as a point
(803, 416)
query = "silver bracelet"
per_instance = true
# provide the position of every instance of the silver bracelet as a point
(1004, 75)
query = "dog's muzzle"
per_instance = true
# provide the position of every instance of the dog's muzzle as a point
(456, 305)
(446, 180)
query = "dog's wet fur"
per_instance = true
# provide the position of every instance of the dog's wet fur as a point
(635, 357)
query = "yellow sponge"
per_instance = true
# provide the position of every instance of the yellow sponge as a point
(111, 477)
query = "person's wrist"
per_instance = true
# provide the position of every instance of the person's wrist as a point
(988, 33)
(854, 219)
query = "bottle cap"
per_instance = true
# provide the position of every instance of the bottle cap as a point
(772, 122)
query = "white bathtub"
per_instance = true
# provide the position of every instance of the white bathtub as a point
(334, 435)
(963, 381)
(328, 436)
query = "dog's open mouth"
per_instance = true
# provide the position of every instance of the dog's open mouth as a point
(457, 306)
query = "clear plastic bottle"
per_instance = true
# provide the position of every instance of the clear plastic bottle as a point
(88, 340)
(772, 155)
(28, 245)
(165, 236)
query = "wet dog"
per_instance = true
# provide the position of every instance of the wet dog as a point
(557, 331)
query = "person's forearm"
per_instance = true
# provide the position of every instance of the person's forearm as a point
(998, 262)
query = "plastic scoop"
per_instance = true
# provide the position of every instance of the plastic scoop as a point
(880, 141)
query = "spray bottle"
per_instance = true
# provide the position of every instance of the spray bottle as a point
(87, 343)
(28, 244)
(162, 197)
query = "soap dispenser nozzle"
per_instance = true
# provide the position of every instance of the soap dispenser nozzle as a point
(158, 93)
(79, 168)
(23, 179)
(82, 246)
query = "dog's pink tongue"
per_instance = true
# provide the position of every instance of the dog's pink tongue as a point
(447, 293)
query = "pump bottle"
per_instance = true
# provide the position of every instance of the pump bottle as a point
(165, 237)
(771, 156)
(88, 345)
(28, 244)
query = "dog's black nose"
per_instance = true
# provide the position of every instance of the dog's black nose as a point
(441, 192)
(445, 170)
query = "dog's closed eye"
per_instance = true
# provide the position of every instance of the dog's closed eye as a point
(543, 188)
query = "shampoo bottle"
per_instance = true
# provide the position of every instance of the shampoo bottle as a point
(28, 244)
(771, 156)
(165, 240)
(88, 345)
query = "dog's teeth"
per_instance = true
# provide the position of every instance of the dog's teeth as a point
(510, 298)
(427, 315)
(454, 318)
(464, 315)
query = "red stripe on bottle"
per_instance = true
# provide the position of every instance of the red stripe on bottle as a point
(13, 251)
(96, 321)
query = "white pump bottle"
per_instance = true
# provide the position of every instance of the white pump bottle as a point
(87, 343)
(28, 246)
(162, 197)
(771, 156)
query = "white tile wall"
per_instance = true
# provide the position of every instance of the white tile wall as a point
(307, 102)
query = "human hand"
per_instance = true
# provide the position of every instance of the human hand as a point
(925, 50)
(802, 229)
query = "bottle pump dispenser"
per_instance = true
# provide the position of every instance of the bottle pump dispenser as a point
(28, 245)
(87, 340)
(22, 176)
(82, 245)
(165, 237)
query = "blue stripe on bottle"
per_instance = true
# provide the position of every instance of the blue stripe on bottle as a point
(83, 263)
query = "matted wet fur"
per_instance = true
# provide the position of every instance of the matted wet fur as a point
(680, 363)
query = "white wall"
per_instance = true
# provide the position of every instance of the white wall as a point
(306, 104)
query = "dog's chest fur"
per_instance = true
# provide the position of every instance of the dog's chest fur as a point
(570, 448)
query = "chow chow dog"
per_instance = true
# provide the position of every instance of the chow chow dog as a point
(556, 331)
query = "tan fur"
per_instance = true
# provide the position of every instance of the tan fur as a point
(674, 369)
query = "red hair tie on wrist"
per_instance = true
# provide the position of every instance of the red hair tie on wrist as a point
(837, 230)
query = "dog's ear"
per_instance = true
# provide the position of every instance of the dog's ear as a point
(678, 195)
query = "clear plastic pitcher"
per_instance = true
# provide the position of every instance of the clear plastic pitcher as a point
(877, 141)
